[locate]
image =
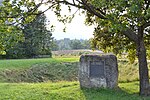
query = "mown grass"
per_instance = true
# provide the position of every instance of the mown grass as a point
(26, 63)
(66, 91)
(59, 69)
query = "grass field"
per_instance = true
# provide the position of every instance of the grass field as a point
(61, 69)
(26, 63)
(66, 91)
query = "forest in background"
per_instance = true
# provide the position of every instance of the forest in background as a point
(70, 44)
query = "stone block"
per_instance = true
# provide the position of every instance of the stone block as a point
(97, 71)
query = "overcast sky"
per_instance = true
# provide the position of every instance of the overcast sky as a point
(75, 30)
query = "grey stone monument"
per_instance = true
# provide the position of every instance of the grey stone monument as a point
(97, 71)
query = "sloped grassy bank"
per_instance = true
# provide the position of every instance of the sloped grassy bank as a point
(55, 71)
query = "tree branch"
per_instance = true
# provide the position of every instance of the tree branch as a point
(71, 4)
(86, 6)
(93, 10)
(79, 1)
(146, 24)
(147, 2)
(29, 12)
(131, 35)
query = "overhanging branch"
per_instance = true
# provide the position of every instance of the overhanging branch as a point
(93, 10)
(131, 35)
(146, 24)
(71, 4)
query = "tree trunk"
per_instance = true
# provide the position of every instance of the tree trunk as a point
(143, 68)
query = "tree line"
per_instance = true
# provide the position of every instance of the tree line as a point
(70, 44)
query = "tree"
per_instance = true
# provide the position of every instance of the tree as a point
(86, 44)
(55, 46)
(38, 40)
(126, 19)
(76, 44)
(129, 19)
(11, 18)
(9, 36)
(64, 44)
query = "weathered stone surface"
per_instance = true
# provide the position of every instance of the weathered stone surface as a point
(98, 71)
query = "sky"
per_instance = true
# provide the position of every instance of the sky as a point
(74, 30)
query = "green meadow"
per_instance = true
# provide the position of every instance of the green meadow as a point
(57, 79)
(26, 63)
(67, 91)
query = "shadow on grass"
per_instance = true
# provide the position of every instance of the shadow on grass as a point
(121, 93)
